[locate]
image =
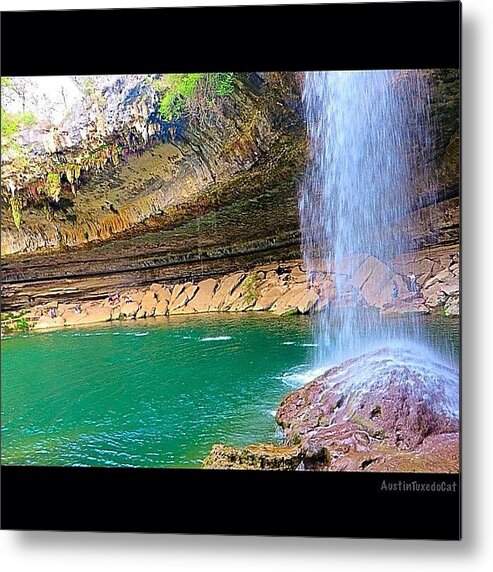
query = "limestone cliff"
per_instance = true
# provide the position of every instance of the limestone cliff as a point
(117, 197)
(116, 168)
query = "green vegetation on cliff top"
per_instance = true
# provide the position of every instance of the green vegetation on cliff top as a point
(180, 95)
(191, 93)
(11, 123)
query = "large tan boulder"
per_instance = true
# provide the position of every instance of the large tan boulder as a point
(307, 301)
(204, 295)
(424, 270)
(370, 279)
(288, 302)
(176, 306)
(385, 297)
(155, 287)
(226, 287)
(241, 304)
(162, 293)
(230, 299)
(147, 305)
(272, 277)
(136, 295)
(433, 295)
(443, 285)
(245, 295)
(419, 264)
(443, 276)
(176, 291)
(96, 313)
(161, 307)
(325, 293)
(298, 274)
(129, 309)
(451, 286)
(268, 297)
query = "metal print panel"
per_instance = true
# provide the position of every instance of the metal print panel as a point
(234, 271)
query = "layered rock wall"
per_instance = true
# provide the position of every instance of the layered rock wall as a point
(185, 201)
(279, 287)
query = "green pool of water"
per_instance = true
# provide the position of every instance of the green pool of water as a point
(155, 393)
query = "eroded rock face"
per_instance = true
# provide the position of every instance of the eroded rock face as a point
(390, 408)
(281, 288)
(151, 173)
(189, 201)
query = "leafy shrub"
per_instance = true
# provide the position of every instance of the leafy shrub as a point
(22, 324)
(192, 93)
(222, 83)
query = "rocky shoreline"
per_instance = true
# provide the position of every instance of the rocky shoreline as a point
(386, 411)
(280, 287)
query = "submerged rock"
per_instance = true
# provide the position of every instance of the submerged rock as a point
(263, 456)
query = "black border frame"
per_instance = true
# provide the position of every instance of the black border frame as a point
(391, 35)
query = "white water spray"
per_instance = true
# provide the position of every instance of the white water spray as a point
(370, 137)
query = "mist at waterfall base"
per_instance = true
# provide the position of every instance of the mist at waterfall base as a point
(371, 139)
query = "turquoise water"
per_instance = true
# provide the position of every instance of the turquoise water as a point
(159, 392)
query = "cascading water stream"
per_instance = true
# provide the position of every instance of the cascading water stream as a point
(371, 143)
(370, 137)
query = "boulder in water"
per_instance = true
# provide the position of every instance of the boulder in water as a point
(394, 403)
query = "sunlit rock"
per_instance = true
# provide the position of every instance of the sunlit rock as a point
(375, 406)
(263, 457)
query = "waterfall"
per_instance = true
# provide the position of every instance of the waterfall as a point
(370, 139)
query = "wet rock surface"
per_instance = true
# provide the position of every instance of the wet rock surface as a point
(262, 456)
(389, 410)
